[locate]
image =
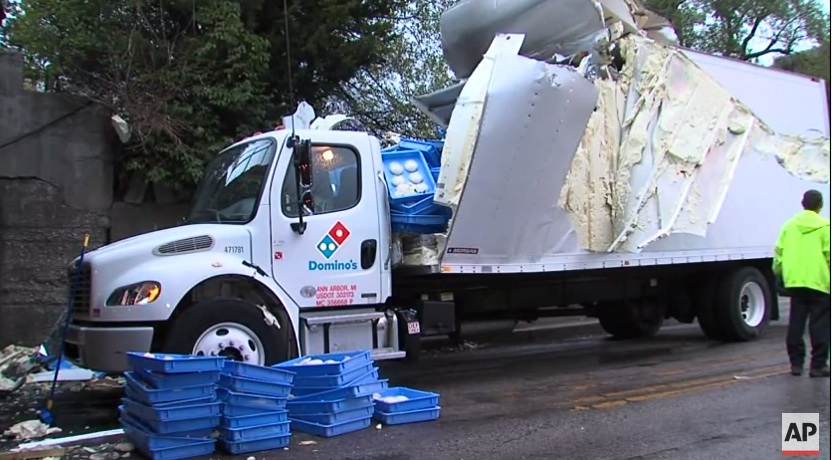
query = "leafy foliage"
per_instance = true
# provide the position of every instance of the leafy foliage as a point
(191, 76)
(745, 29)
(380, 94)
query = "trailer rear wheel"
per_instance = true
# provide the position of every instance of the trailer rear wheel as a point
(743, 305)
(232, 328)
(631, 321)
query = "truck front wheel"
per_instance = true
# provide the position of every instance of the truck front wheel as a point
(631, 320)
(233, 328)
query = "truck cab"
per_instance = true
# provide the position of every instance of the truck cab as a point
(286, 251)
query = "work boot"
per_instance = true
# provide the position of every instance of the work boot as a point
(797, 370)
(820, 372)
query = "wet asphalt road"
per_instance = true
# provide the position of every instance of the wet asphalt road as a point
(675, 396)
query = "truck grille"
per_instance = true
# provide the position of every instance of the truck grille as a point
(81, 303)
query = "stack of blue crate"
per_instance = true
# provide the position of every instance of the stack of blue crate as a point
(254, 415)
(411, 169)
(401, 405)
(333, 393)
(170, 410)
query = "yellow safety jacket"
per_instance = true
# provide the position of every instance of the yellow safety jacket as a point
(801, 255)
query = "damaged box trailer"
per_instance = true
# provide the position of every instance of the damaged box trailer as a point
(590, 167)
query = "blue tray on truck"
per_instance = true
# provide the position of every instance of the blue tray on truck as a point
(328, 431)
(331, 418)
(304, 407)
(422, 169)
(171, 381)
(333, 381)
(253, 401)
(333, 363)
(259, 387)
(173, 426)
(167, 363)
(254, 372)
(188, 409)
(138, 390)
(255, 445)
(414, 416)
(366, 378)
(256, 432)
(416, 400)
(245, 421)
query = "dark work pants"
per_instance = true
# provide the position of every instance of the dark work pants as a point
(811, 305)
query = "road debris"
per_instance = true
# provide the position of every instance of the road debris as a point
(44, 454)
(308, 443)
(72, 440)
(30, 429)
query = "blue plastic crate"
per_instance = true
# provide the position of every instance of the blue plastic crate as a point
(352, 391)
(402, 157)
(138, 390)
(230, 410)
(255, 445)
(333, 381)
(417, 207)
(197, 449)
(429, 150)
(328, 431)
(259, 387)
(341, 362)
(141, 436)
(416, 399)
(366, 378)
(320, 407)
(254, 372)
(414, 416)
(418, 229)
(171, 381)
(331, 418)
(171, 412)
(167, 363)
(263, 403)
(203, 433)
(424, 221)
(172, 426)
(256, 432)
(435, 172)
(245, 421)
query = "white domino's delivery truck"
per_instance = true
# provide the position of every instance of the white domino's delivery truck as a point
(589, 168)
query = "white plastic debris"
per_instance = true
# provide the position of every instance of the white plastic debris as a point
(30, 429)
(64, 375)
(378, 427)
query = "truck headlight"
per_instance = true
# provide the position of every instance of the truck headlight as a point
(135, 294)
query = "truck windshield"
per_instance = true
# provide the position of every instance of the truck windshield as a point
(231, 186)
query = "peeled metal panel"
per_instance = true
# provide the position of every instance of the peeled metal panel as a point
(439, 104)
(534, 118)
(550, 26)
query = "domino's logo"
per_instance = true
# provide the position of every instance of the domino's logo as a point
(333, 240)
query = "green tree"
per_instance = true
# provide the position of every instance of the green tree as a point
(379, 95)
(745, 29)
(192, 76)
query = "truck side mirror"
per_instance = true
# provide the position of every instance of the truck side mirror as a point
(302, 161)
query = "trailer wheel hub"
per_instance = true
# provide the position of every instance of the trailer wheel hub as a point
(752, 304)
(232, 340)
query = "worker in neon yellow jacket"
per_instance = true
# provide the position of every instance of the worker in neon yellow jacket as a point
(801, 260)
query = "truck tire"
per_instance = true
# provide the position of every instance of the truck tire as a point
(631, 321)
(232, 328)
(743, 305)
(706, 310)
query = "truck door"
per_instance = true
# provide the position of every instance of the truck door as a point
(335, 262)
